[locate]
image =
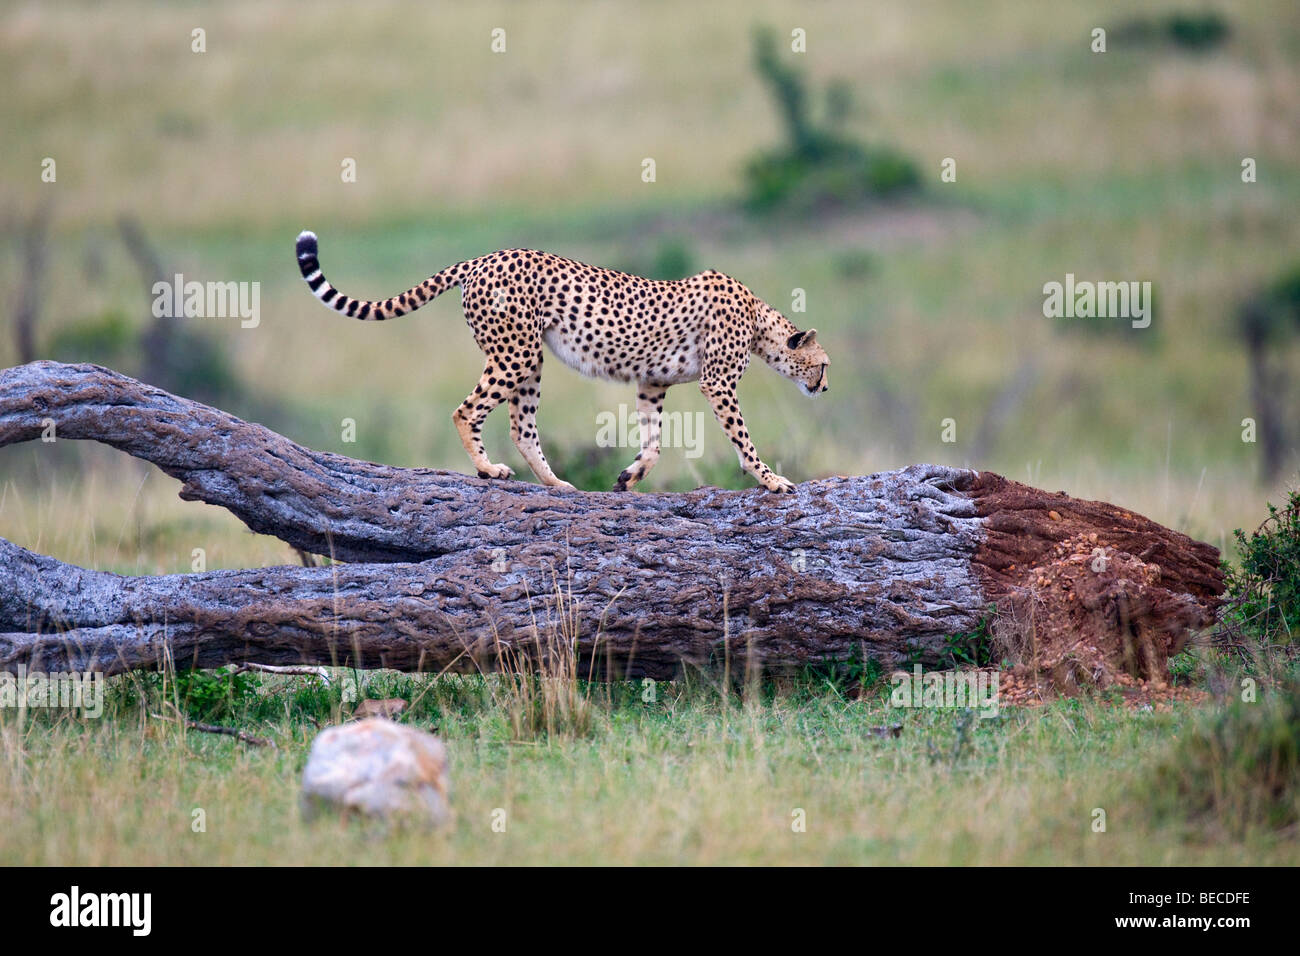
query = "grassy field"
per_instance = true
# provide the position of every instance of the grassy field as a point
(1123, 165)
(695, 776)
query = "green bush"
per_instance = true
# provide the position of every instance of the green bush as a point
(1195, 32)
(1262, 597)
(842, 175)
(818, 166)
(971, 649)
(202, 695)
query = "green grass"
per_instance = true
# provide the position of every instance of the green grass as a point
(694, 776)
(1241, 768)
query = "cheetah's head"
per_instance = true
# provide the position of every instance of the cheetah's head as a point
(805, 362)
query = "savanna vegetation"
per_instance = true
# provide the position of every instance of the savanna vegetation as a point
(812, 175)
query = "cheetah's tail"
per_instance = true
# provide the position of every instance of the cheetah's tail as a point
(408, 301)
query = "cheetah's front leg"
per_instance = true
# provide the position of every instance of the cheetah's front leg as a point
(726, 408)
(649, 411)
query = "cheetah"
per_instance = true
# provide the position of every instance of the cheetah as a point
(604, 324)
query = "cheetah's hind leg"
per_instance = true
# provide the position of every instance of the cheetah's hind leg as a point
(470, 415)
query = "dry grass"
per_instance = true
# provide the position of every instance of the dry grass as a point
(254, 129)
(541, 684)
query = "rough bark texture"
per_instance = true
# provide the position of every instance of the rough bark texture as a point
(887, 565)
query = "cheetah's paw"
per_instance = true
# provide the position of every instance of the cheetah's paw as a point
(775, 482)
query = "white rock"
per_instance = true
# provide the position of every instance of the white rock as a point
(378, 768)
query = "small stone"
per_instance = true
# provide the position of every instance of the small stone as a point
(377, 768)
(1055, 516)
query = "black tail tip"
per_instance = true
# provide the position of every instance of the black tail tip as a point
(306, 245)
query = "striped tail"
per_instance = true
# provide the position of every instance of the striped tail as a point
(408, 301)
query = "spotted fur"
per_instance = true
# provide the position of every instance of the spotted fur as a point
(604, 324)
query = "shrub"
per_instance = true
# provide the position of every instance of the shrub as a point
(201, 694)
(1195, 32)
(1262, 597)
(818, 165)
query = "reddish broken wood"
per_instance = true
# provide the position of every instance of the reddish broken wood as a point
(452, 569)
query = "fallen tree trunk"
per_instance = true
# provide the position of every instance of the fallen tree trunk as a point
(888, 565)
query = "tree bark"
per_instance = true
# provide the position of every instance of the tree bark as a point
(452, 571)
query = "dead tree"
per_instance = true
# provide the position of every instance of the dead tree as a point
(1260, 327)
(446, 571)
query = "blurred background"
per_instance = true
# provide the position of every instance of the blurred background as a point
(794, 146)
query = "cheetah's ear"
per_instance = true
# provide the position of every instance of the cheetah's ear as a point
(801, 339)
